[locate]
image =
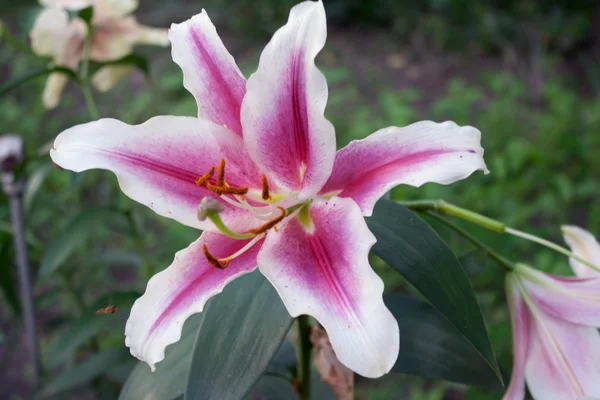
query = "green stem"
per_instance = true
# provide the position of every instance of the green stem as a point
(85, 78)
(462, 213)
(137, 237)
(550, 245)
(503, 262)
(304, 356)
(491, 224)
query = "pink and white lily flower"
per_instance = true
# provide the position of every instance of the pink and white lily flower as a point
(115, 33)
(261, 156)
(555, 321)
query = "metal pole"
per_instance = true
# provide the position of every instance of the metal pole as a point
(11, 156)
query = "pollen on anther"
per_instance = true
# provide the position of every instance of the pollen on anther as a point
(270, 224)
(265, 188)
(201, 180)
(221, 190)
(221, 173)
(213, 260)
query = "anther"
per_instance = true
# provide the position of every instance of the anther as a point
(213, 260)
(221, 190)
(221, 173)
(201, 180)
(270, 224)
(265, 188)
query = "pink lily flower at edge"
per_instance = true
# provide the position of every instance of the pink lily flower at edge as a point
(264, 150)
(555, 321)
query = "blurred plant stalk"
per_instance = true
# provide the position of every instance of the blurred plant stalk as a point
(13, 185)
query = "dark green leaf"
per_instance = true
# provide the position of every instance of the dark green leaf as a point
(430, 346)
(85, 372)
(243, 329)
(86, 14)
(284, 363)
(273, 388)
(474, 262)
(82, 329)
(33, 75)
(73, 234)
(169, 380)
(133, 59)
(410, 246)
(34, 183)
(8, 279)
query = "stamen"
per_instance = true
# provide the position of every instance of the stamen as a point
(221, 173)
(213, 260)
(201, 180)
(243, 249)
(221, 190)
(265, 188)
(270, 224)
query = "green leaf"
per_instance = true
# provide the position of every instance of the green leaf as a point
(8, 279)
(86, 14)
(133, 59)
(430, 346)
(284, 363)
(273, 388)
(34, 183)
(35, 74)
(242, 330)
(169, 380)
(85, 372)
(410, 246)
(73, 234)
(80, 330)
(474, 262)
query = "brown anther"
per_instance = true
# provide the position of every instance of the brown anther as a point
(221, 190)
(201, 180)
(270, 224)
(107, 310)
(221, 264)
(265, 188)
(221, 173)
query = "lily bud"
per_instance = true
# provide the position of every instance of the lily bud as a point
(208, 205)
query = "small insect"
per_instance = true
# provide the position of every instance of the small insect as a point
(107, 310)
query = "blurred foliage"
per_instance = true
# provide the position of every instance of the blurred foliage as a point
(504, 74)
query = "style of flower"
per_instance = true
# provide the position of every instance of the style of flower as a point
(555, 321)
(276, 194)
(115, 32)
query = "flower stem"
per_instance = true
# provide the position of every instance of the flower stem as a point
(137, 237)
(304, 357)
(500, 260)
(462, 213)
(550, 245)
(85, 78)
(489, 223)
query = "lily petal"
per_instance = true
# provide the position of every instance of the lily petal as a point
(152, 36)
(66, 4)
(520, 320)
(585, 245)
(178, 292)
(55, 84)
(158, 161)
(114, 39)
(576, 300)
(114, 8)
(54, 35)
(323, 271)
(423, 152)
(210, 73)
(564, 360)
(285, 130)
